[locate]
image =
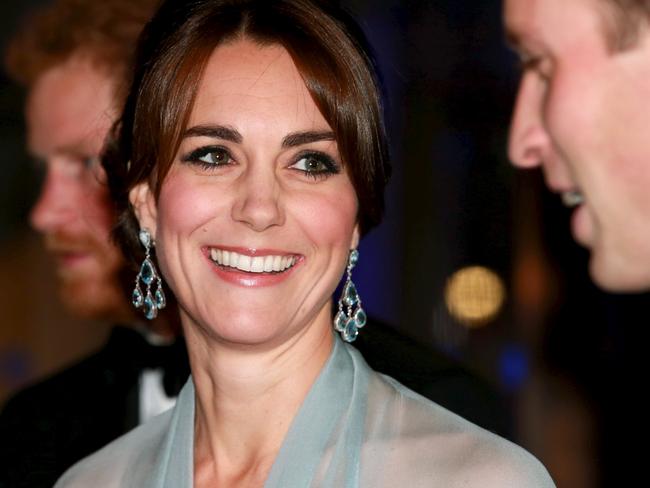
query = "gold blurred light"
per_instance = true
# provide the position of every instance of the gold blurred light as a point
(474, 295)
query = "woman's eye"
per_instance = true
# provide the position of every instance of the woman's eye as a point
(209, 156)
(316, 165)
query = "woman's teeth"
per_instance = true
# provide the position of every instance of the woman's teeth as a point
(252, 264)
(572, 198)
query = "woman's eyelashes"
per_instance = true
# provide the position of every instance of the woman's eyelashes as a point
(209, 157)
(314, 164)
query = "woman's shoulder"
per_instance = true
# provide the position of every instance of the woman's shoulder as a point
(126, 458)
(414, 435)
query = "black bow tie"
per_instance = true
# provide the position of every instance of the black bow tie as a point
(133, 350)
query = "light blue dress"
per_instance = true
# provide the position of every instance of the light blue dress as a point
(356, 428)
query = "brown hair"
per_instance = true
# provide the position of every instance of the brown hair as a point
(105, 31)
(325, 44)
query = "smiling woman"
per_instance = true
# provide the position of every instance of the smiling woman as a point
(252, 150)
(255, 139)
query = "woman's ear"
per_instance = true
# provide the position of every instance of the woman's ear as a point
(144, 205)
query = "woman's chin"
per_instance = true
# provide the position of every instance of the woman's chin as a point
(248, 331)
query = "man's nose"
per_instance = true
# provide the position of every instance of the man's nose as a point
(528, 137)
(52, 207)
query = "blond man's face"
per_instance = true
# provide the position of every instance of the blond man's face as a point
(582, 116)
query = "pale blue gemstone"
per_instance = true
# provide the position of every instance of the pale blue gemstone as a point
(350, 295)
(149, 307)
(354, 257)
(136, 297)
(360, 317)
(351, 331)
(145, 238)
(147, 272)
(160, 298)
(339, 321)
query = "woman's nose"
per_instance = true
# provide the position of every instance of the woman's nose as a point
(528, 137)
(258, 203)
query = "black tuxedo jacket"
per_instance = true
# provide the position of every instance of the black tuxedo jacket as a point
(47, 427)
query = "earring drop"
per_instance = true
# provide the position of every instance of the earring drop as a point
(350, 316)
(150, 303)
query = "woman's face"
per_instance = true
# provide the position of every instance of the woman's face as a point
(257, 214)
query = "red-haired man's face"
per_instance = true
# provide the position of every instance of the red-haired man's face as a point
(69, 112)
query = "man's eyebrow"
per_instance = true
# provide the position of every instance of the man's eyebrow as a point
(76, 150)
(215, 131)
(300, 138)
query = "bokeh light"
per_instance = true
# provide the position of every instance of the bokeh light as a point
(474, 295)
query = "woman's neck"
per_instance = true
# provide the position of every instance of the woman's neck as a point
(246, 399)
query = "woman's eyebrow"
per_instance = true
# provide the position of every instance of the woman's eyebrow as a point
(300, 138)
(230, 134)
(216, 131)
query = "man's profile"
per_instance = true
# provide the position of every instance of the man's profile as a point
(73, 58)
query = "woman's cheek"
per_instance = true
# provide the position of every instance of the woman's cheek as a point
(184, 205)
(330, 217)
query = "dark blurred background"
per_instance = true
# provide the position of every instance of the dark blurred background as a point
(474, 259)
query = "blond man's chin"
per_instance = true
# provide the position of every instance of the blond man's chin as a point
(614, 274)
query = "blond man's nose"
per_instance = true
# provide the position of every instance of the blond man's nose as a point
(528, 137)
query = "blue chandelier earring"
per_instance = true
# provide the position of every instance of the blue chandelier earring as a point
(150, 302)
(350, 316)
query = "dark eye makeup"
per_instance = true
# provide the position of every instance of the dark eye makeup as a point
(209, 157)
(314, 164)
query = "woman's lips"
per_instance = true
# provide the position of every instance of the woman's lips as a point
(250, 268)
(271, 262)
